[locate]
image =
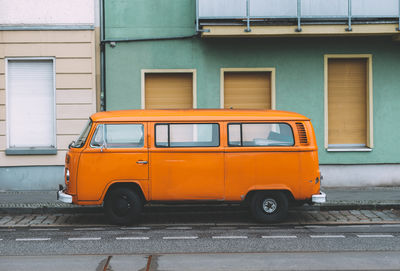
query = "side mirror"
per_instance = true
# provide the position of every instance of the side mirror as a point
(70, 144)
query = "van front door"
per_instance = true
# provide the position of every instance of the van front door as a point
(187, 162)
(117, 153)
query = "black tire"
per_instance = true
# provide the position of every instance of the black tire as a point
(123, 206)
(271, 206)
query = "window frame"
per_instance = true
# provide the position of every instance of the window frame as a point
(369, 114)
(265, 69)
(34, 150)
(169, 140)
(257, 146)
(106, 146)
(143, 83)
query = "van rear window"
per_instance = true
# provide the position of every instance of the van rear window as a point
(260, 134)
(187, 135)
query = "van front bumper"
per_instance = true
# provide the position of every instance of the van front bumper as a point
(319, 198)
(61, 196)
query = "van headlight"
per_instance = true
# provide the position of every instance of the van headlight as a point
(67, 175)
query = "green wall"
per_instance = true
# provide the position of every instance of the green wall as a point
(299, 64)
(149, 18)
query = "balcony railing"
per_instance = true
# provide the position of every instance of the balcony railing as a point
(250, 11)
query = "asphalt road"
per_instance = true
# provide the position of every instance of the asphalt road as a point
(198, 239)
(202, 247)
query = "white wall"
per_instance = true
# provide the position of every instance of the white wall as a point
(45, 12)
(360, 175)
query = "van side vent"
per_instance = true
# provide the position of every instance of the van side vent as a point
(302, 133)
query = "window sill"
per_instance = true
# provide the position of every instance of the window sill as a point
(31, 151)
(336, 149)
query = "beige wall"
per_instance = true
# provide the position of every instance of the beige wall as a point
(74, 52)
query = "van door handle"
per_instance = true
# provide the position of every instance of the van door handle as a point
(141, 162)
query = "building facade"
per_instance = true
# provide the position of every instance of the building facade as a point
(47, 87)
(336, 62)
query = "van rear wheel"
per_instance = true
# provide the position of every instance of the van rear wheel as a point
(122, 206)
(269, 206)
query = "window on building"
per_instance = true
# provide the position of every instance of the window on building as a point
(247, 89)
(348, 103)
(169, 90)
(187, 135)
(260, 134)
(31, 103)
(118, 136)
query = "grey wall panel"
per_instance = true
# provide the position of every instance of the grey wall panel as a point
(322, 8)
(222, 8)
(280, 8)
(375, 8)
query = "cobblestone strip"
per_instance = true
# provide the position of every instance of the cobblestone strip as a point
(368, 214)
(14, 220)
(27, 219)
(360, 216)
(339, 217)
(301, 217)
(306, 217)
(38, 220)
(391, 214)
(348, 215)
(5, 219)
(62, 219)
(327, 216)
(50, 220)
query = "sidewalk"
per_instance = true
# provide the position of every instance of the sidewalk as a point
(18, 202)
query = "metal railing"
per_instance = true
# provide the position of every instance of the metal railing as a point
(300, 10)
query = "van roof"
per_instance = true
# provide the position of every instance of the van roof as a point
(195, 115)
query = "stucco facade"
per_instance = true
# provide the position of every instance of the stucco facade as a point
(298, 62)
(63, 33)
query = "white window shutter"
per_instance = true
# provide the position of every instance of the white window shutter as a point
(31, 103)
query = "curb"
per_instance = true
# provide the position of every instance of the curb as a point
(355, 206)
(49, 209)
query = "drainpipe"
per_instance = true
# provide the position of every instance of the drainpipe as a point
(102, 60)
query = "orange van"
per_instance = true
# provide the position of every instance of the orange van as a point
(124, 159)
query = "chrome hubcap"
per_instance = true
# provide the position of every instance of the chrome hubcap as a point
(269, 206)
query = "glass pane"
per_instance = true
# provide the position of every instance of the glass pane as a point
(124, 135)
(162, 135)
(82, 137)
(97, 140)
(234, 135)
(194, 135)
(267, 134)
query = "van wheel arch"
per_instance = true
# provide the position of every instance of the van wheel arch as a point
(132, 186)
(287, 193)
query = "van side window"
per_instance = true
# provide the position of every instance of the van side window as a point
(187, 135)
(260, 134)
(118, 136)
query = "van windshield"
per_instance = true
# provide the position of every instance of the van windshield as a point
(83, 136)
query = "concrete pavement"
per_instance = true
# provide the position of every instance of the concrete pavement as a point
(388, 260)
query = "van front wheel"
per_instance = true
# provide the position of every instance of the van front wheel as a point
(122, 206)
(271, 206)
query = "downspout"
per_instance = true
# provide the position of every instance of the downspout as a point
(102, 59)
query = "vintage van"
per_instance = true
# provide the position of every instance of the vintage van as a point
(124, 159)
